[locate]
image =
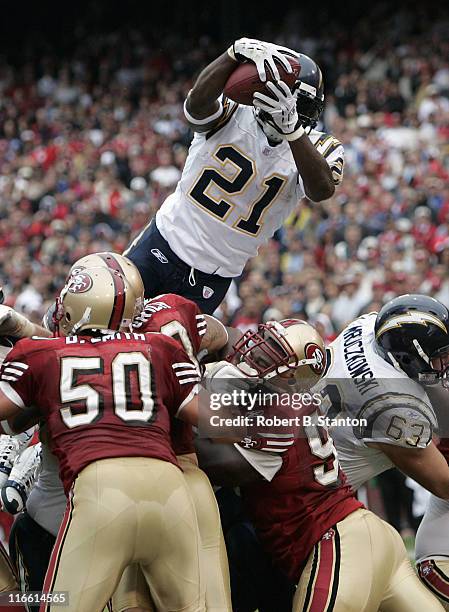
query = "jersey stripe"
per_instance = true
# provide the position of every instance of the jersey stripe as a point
(14, 371)
(227, 115)
(184, 381)
(55, 558)
(13, 378)
(16, 364)
(187, 373)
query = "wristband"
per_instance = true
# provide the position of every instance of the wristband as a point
(295, 135)
(231, 53)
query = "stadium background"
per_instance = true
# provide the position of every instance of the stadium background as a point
(92, 140)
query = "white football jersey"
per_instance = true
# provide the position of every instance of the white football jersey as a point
(389, 406)
(235, 191)
(47, 501)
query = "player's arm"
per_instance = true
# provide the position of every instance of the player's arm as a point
(203, 109)
(13, 323)
(218, 340)
(8, 410)
(425, 465)
(17, 390)
(315, 172)
(313, 168)
(216, 336)
(223, 464)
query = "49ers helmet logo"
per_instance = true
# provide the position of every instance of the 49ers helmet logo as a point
(80, 283)
(313, 351)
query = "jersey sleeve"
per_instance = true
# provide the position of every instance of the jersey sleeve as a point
(405, 421)
(193, 320)
(333, 152)
(214, 122)
(266, 464)
(16, 377)
(183, 378)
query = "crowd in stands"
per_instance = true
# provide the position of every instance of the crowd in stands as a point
(91, 144)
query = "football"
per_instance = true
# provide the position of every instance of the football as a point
(244, 81)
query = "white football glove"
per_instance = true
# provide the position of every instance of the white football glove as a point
(282, 110)
(13, 323)
(259, 52)
(223, 377)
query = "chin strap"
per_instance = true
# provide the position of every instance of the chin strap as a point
(83, 321)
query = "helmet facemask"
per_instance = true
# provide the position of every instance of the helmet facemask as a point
(308, 105)
(439, 368)
(267, 353)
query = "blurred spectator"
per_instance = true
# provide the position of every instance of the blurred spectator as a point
(93, 141)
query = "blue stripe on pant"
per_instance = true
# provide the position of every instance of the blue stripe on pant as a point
(164, 272)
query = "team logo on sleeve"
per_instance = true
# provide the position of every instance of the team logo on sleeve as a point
(315, 352)
(80, 283)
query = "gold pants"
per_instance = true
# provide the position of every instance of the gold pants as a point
(123, 511)
(435, 575)
(361, 565)
(133, 592)
(7, 577)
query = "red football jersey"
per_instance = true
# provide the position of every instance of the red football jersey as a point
(308, 495)
(174, 316)
(182, 320)
(102, 397)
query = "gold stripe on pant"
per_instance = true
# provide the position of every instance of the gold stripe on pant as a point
(129, 510)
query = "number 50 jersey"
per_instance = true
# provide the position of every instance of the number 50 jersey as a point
(102, 397)
(387, 406)
(235, 191)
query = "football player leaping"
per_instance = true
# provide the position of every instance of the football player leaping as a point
(247, 169)
(342, 557)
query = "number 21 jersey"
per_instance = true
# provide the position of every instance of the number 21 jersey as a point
(235, 191)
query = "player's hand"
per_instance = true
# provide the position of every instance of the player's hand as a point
(13, 323)
(223, 377)
(6, 320)
(282, 110)
(259, 52)
(269, 443)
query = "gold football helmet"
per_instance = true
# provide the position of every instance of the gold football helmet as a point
(116, 262)
(279, 347)
(95, 298)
